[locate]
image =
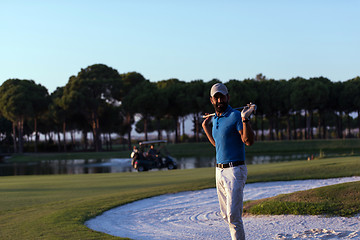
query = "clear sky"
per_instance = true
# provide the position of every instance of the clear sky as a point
(50, 40)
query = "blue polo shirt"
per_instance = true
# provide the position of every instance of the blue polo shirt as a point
(228, 143)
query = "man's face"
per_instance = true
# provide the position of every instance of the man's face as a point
(220, 102)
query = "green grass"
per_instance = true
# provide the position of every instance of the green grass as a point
(307, 146)
(56, 206)
(336, 147)
(297, 170)
(341, 199)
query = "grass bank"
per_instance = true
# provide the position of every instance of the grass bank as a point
(300, 170)
(341, 200)
(56, 206)
(336, 147)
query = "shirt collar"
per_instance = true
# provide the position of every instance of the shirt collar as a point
(226, 113)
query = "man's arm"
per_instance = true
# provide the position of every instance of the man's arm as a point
(208, 130)
(247, 134)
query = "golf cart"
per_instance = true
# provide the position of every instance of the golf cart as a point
(147, 157)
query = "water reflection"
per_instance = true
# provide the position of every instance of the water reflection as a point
(116, 165)
(195, 162)
(198, 162)
(262, 159)
(76, 166)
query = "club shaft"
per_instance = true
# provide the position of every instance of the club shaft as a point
(213, 114)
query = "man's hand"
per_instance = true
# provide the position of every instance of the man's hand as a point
(207, 120)
(247, 134)
(248, 110)
(207, 129)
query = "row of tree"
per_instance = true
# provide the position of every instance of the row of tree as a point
(102, 101)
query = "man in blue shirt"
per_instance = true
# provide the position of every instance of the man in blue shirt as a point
(230, 132)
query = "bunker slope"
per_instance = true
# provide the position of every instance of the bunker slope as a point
(195, 215)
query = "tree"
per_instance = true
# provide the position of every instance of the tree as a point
(143, 99)
(196, 91)
(269, 104)
(284, 104)
(336, 106)
(19, 101)
(356, 101)
(320, 90)
(175, 92)
(317, 97)
(40, 101)
(130, 80)
(89, 92)
(111, 120)
(299, 99)
(349, 97)
(59, 114)
(5, 132)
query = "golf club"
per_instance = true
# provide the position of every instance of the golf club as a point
(238, 108)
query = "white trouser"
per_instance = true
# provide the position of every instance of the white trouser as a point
(230, 183)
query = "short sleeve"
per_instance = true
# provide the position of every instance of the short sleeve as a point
(239, 125)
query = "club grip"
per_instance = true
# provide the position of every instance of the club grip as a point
(209, 115)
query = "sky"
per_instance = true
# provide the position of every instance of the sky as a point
(50, 40)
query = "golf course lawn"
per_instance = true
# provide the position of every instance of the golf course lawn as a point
(56, 206)
(331, 147)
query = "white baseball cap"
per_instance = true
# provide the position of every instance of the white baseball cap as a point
(218, 87)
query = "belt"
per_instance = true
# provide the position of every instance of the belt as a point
(230, 164)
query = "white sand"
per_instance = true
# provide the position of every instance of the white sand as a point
(195, 215)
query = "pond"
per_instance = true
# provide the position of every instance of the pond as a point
(116, 165)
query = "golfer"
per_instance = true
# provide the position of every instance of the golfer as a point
(230, 131)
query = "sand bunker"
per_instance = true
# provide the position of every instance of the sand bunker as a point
(195, 215)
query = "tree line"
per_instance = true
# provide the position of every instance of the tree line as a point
(102, 101)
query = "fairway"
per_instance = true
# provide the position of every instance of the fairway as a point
(334, 147)
(55, 207)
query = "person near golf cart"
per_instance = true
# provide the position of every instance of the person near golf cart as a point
(152, 152)
(153, 155)
(135, 154)
(135, 151)
(152, 158)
